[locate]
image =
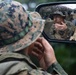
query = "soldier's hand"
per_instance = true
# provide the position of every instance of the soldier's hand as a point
(44, 51)
(61, 26)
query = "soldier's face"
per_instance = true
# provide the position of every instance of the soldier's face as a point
(30, 48)
(58, 19)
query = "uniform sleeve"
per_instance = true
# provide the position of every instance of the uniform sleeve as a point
(49, 29)
(55, 68)
(70, 29)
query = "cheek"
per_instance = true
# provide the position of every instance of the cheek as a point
(30, 48)
(58, 20)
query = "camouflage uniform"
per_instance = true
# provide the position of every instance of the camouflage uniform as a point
(18, 64)
(19, 29)
(54, 34)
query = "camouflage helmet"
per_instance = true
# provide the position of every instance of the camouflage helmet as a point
(18, 28)
(57, 13)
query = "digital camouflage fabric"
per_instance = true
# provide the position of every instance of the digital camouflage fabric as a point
(18, 64)
(18, 28)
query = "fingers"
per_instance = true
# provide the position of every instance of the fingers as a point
(38, 45)
(45, 44)
(62, 23)
(37, 50)
(61, 27)
(38, 53)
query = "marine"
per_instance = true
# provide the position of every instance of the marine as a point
(59, 27)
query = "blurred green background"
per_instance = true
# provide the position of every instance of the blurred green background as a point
(65, 53)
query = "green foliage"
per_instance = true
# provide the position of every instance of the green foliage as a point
(66, 56)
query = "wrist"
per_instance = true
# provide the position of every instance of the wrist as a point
(51, 62)
(50, 68)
